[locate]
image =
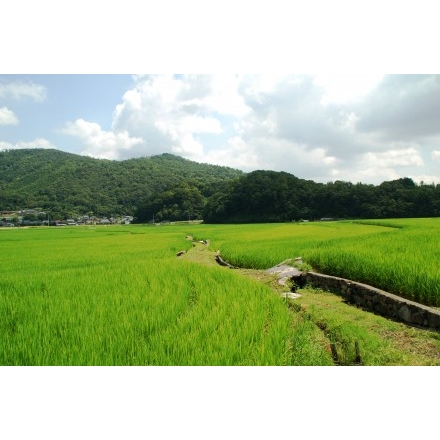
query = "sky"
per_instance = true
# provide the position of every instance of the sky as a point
(352, 127)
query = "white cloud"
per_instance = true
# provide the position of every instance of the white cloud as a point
(436, 155)
(171, 113)
(202, 116)
(235, 154)
(338, 89)
(36, 143)
(291, 109)
(188, 124)
(371, 175)
(394, 158)
(7, 117)
(20, 89)
(188, 147)
(97, 142)
(225, 98)
(426, 179)
(181, 131)
(5, 146)
(268, 153)
(376, 167)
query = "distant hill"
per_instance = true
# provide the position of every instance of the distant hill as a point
(167, 188)
(70, 184)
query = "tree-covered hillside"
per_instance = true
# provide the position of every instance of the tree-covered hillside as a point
(70, 184)
(269, 196)
(168, 187)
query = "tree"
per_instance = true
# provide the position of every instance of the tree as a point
(176, 203)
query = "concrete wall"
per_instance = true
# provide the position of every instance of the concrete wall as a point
(377, 301)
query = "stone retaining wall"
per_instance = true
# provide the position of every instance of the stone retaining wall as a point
(377, 301)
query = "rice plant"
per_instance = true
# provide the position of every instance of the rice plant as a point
(119, 296)
(401, 256)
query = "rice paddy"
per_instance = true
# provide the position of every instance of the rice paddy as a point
(401, 256)
(119, 295)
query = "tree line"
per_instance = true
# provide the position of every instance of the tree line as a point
(269, 196)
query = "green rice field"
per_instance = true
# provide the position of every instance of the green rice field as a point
(118, 295)
(401, 256)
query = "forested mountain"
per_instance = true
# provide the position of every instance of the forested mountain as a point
(70, 184)
(168, 187)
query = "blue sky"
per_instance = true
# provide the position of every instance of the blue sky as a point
(352, 127)
(57, 99)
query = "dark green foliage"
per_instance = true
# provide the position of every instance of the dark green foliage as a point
(175, 203)
(69, 184)
(262, 196)
(268, 196)
(168, 187)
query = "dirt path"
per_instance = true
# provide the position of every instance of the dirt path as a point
(200, 253)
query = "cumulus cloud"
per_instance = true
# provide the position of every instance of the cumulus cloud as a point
(371, 175)
(375, 167)
(291, 108)
(180, 132)
(236, 153)
(394, 158)
(97, 142)
(7, 117)
(36, 143)
(19, 90)
(345, 89)
(436, 155)
(172, 113)
(286, 127)
(426, 179)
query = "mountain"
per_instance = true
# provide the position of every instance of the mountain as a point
(69, 184)
(168, 187)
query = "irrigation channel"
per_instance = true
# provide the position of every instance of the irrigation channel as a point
(288, 281)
